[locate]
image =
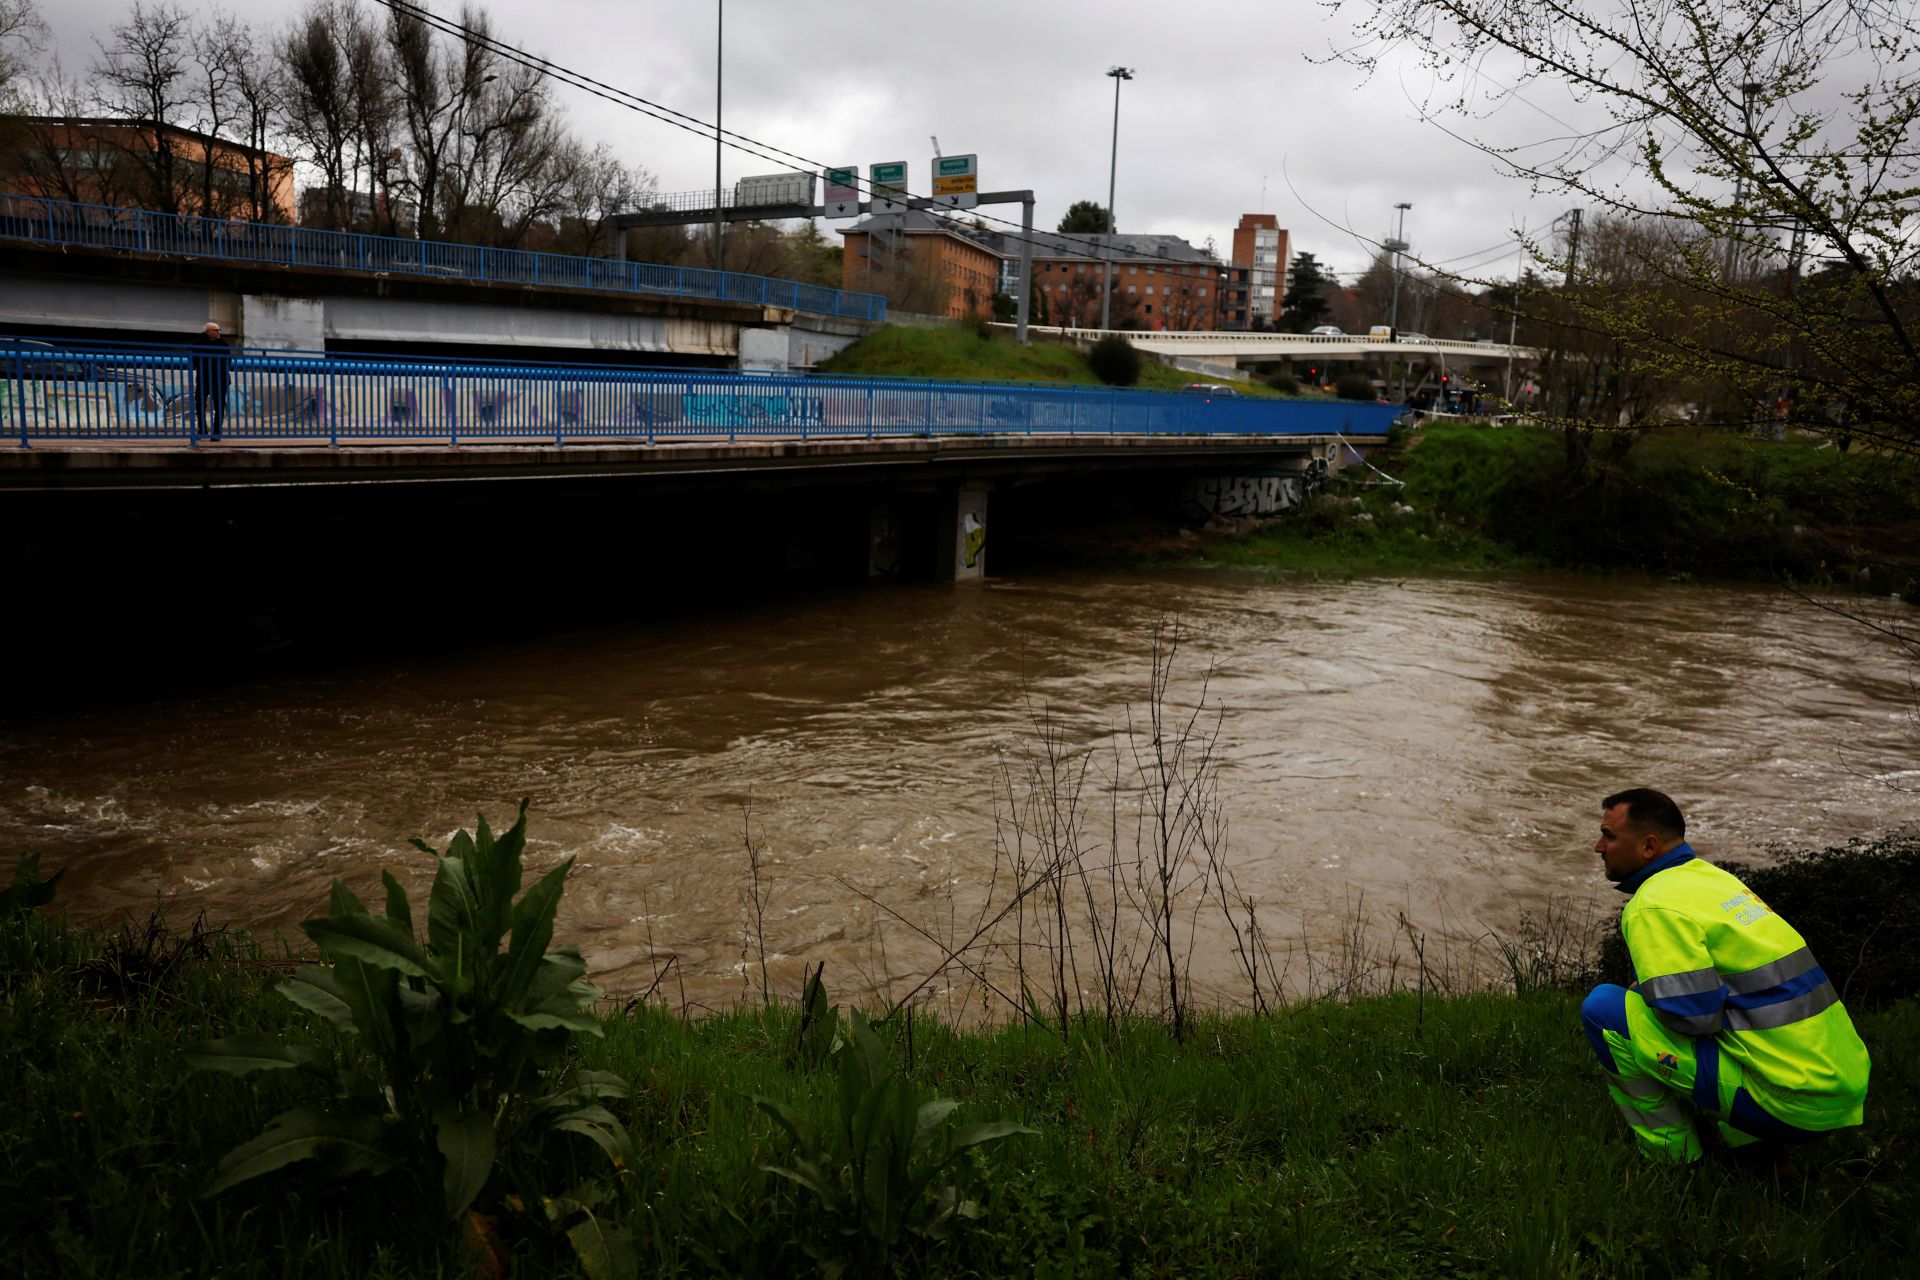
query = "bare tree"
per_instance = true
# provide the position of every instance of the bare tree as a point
(21, 31)
(596, 186)
(259, 97)
(216, 48)
(142, 77)
(439, 81)
(1781, 131)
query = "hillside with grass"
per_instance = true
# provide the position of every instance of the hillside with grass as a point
(989, 355)
(1678, 503)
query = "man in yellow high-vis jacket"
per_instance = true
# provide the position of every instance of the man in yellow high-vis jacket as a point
(1728, 1009)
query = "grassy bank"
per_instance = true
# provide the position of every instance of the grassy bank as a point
(1395, 1135)
(899, 351)
(1677, 503)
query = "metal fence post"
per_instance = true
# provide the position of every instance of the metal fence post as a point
(453, 408)
(20, 392)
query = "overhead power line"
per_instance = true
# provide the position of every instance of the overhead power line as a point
(689, 123)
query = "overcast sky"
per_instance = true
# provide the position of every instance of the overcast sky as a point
(1226, 114)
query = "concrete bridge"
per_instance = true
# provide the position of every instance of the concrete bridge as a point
(919, 455)
(1229, 348)
(85, 270)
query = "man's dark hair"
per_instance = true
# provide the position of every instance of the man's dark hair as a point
(1654, 810)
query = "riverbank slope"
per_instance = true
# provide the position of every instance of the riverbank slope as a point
(1397, 1135)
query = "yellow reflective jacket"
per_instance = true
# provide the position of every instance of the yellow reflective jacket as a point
(1711, 959)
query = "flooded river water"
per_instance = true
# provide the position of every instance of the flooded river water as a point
(1434, 746)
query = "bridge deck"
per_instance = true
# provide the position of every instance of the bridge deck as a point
(262, 463)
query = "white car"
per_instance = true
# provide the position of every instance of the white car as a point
(1329, 331)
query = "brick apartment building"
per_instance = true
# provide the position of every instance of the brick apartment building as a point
(1159, 282)
(1257, 277)
(933, 265)
(140, 164)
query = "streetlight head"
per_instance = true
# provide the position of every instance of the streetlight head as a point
(1404, 204)
(1120, 73)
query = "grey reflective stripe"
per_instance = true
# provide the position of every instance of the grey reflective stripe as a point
(1669, 985)
(1667, 1117)
(1768, 1016)
(1637, 1088)
(1700, 1024)
(1771, 975)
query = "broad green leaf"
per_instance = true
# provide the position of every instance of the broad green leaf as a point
(807, 1175)
(532, 924)
(299, 1134)
(604, 1251)
(343, 901)
(557, 971)
(313, 988)
(930, 1117)
(610, 1137)
(461, 846)
(451, 909)
(782, 1114)
(423, 846)
(585, 1087)
(569, 1019)
(992, 1131)
(239, 1055)
(373, 940)
(398, 908)
(466, 1141)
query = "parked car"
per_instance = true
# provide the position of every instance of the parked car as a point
(1415, 337)
(1380, 333)
(1208, 389)
(1329, 331)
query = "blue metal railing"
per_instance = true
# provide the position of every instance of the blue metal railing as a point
(78, 392)
(145, 232)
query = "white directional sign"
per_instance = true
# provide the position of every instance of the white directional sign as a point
(956, 181)
(889, 186)
(842, 198)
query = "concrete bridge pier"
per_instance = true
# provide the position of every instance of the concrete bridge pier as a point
(962, 529)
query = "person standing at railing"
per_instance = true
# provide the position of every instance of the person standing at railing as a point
(212, 368)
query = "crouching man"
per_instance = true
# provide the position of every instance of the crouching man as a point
(1728, 1011)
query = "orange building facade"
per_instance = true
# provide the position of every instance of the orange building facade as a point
(931, 266)
(140, 164)
(1159, 282)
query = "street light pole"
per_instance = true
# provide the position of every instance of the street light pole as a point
(1396, 247)
(1113, 162)
(719, 28)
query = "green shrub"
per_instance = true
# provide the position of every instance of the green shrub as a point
(1114, 361)
(1354, 386)
(1857, 905)
(462, 1035)
(891, 1170)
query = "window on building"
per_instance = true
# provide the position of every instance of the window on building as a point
(1149, 308)
(1133, 271)
(1081, 269)
(1203, 291)
(1149, 289)
(1133, 288)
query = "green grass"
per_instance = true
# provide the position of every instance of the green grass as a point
(1679, 503)
(1391, 1137)
(958, 352)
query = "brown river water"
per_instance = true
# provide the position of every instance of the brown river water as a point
(1435, 747)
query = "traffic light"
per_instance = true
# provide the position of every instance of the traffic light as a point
(1313, 374)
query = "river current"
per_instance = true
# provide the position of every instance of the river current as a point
(1432, 747)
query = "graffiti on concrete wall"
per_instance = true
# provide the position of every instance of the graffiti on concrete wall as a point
(1264, 494)
(736, 411)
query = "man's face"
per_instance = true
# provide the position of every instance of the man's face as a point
(1624, 846)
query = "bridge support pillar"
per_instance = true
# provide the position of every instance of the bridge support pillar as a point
(275, 323)
(963, 533)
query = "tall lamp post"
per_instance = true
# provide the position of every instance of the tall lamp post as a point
(1113, 161)
(719, 29)
(1397, 246)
